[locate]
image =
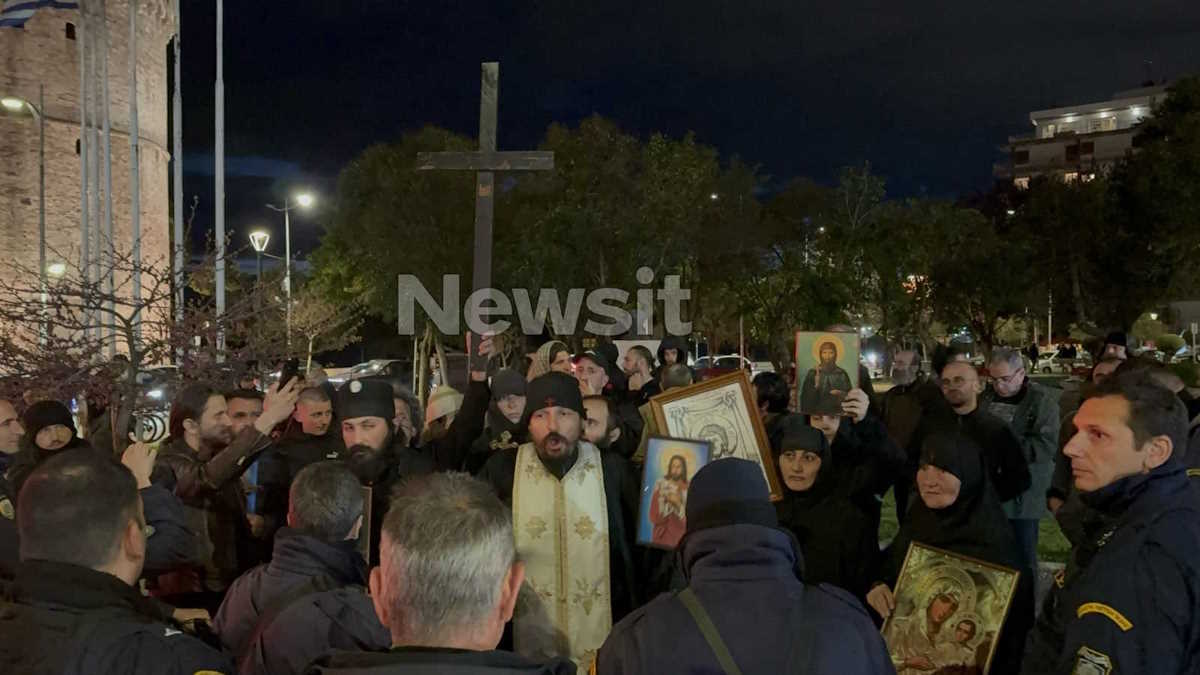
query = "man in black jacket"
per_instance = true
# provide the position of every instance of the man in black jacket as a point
(1002, 454)
(311, 597)
(444, 598)
(74, 608)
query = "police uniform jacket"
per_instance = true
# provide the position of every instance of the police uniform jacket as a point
(1129, 599)
(61, 619)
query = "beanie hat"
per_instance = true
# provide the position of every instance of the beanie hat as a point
(554, 389)
(444, 401)
(729, 492)
(45, 414)
(365, 398)
(507, 382)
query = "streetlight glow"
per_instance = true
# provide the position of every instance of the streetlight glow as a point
(259, 239)
(713, 196)
(13, 104)
(56, 269)
(304, 199)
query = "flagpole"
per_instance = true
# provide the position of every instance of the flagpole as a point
(135, 186)
(109, 324)
(82, 35)
(178, 168)
(220, 180)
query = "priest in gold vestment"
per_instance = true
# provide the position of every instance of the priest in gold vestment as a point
(574, 508)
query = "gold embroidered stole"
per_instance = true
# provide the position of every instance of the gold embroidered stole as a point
(561, 530)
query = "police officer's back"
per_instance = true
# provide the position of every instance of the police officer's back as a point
(74, 608)
(744, 597)
(1129, 601)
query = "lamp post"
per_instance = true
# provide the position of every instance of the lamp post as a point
(259, 239)
(304, 200)
(16, 105)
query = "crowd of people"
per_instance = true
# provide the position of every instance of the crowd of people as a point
(308, 529)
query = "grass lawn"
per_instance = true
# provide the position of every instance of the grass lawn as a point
(1052, 545)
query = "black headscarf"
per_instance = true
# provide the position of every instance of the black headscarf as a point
(39, 416)
(974, 525)
(797, 435)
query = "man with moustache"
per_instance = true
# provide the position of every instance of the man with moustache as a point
(573, 518)
(374, 452)
(201, 463)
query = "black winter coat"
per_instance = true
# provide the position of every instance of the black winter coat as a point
(340, 618)
(61, 619)
(745, 576)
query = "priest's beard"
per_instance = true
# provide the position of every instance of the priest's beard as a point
(561, 464)
(367, 463)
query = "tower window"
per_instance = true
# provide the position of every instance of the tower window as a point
(70, 31)
(77, 146)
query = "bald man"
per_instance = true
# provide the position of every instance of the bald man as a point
(1007, 466)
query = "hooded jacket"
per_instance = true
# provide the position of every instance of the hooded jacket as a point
(341, 618)
(745, 576)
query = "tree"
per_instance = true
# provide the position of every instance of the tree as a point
(388, 219)
(981, 278)
(55, 340)
(325, 326)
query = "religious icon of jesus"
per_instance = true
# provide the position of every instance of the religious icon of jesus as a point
(671, 463)
(668, 504)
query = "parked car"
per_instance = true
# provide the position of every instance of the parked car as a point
(383, 369)
(708, 367)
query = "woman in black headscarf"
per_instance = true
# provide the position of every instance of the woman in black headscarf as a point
(959, 512)
(49, 429)
(836, 540)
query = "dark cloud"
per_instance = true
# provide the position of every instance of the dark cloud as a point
(925, 90)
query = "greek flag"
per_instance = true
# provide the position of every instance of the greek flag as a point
(17, 12)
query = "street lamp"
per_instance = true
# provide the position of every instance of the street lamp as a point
(15, 105)
(259, 239)
(304, 200)
(714, 196)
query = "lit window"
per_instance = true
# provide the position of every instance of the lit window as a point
(1021, 182)
(1088, 177)
(1070, 176)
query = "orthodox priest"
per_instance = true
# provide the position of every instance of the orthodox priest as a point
(573, 519)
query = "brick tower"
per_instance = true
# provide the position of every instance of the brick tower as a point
(45, 52)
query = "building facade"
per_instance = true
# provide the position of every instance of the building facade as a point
(1077, 142)
(44, 54)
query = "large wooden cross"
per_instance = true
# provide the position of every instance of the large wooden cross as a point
(484, 162)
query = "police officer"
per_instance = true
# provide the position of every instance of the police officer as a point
(376, 455)
(74, 608)
(1129, 600)
(740, 564)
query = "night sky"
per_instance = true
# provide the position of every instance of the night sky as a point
(926, 91)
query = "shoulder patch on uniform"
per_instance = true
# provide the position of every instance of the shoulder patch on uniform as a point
(1091, 662)
(1104, 610)
(6, 508)
(1193, 473)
